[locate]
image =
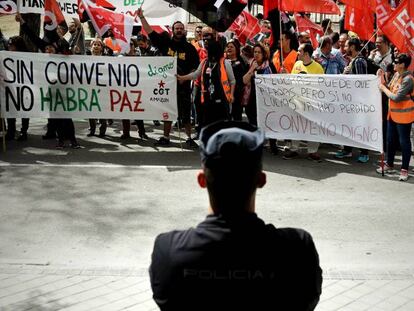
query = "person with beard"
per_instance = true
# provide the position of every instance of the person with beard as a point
(217, 84)
(77, 37)
(187, 61)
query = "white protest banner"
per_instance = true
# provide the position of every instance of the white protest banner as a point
(338, 109)
(157, 12)
(59, 86)
(69, 7)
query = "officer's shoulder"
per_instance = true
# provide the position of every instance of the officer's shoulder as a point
(290, 234)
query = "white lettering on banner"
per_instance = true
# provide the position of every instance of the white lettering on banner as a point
(75, 86)
(218, 3)
(352, 18)
(403, 22)
(339, 109)
(382, 14)
(53, 22)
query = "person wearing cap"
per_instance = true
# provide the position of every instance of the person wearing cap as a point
(233, 260)
(400, 114)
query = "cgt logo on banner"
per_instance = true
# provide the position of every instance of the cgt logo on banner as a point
(338, 109)
(56, 86)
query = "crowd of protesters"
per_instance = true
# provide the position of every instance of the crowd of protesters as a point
(216, 79)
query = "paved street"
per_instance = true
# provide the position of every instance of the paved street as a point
(77, 226)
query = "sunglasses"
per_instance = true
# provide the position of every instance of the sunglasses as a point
(396, 62)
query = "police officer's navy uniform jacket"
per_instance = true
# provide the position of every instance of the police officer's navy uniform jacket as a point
(241, 264)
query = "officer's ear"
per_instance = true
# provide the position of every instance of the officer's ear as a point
(262, 179)
(201, 178)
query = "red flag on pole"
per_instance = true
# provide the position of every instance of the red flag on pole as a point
(104, 19)
(382, 9)
(360, 21)
(245, 26)
(314, 6)
(304, 24)
(399, 28)
(53, 15)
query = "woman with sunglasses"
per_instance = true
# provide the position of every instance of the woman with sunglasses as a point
(400, 114)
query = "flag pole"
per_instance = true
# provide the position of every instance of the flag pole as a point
(375, 33)
(3, 131)
(280, 32)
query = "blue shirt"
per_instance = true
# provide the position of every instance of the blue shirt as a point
(333, 63)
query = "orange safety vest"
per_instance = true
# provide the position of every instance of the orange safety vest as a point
(114, 47)
(403, 111)
(288, 62)
(224, 81)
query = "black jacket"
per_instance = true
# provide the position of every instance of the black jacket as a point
(235, 265)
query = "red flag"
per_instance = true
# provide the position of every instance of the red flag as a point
(382, 9)
(103, 19)
(314, 6)
(399, 28)
(105, 4)
(245, 26)
(53, 15)
(159, 29)
(356, 4)
(360, 21)
(8, 7)
(305, 24)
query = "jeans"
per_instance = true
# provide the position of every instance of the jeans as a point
(398, 132)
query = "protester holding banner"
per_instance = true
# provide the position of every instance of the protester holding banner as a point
(400, 114)
(259, 65)
(217, 84)
(187, 62)
(358, 65)
(382, 57)
(97, 49)
(239, 69)
(305, 65)
(17, 44)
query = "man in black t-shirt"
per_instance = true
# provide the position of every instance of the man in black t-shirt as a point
(187, 61)
(233, 260)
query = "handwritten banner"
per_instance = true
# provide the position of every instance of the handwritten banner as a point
(58, 86)
(338, 109)
(69, 7)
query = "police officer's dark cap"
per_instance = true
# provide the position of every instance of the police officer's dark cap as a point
(226, 142)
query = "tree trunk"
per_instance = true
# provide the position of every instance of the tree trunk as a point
(33, 21)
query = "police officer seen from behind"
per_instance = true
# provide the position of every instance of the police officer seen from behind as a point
(233, 260)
